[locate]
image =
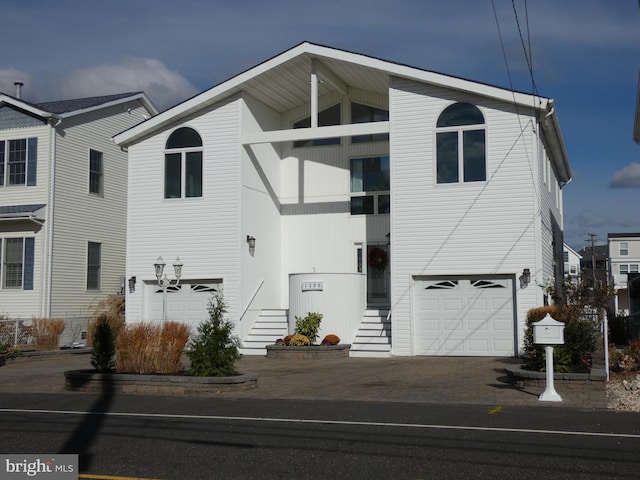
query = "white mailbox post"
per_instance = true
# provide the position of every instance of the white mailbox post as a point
(549, 332)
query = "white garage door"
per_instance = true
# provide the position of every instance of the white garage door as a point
(471, 316)
(187, 303)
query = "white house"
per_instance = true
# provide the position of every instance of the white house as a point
(419, 213)
(63, 202)
(624, 267)
(571, 263)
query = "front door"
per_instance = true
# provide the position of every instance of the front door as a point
(376, 266)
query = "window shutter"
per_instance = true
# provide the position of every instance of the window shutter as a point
(29, 243)
(32, 160)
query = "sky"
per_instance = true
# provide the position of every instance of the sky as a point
(585, 54)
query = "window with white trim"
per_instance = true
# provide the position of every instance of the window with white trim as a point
(370, 186)
(95, 172)
(16, 262)
(18, 160)
(624, 249)
(183, 164)
(628, 268)
(327, 117)
(94, 265)
(460, 145)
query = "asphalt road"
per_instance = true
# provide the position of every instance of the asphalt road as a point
(170, 438)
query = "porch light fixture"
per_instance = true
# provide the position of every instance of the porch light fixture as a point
(525, 278)
(132, 284)
(252, 244)
(164, 282)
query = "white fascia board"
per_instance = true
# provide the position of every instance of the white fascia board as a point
(554, 140)
(139, 96)
(276, 136)
(413, 73)
(207, 97)
(26, 107)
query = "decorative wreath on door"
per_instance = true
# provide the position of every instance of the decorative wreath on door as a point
(377, 258)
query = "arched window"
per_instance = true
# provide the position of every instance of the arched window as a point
(183, 164)
(460, 139)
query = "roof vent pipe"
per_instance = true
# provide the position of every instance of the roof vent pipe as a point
(18, 88)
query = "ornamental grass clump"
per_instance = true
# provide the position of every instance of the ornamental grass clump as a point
(309, 326)
(151, 348)
(214, 350)
(46, 333)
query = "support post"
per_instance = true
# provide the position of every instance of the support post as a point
(550, 394)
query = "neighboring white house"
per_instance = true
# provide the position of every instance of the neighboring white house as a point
(571, 263)
(63, 202)
(624, 261)
(420, 213)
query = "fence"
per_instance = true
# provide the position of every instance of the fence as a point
(19, 331)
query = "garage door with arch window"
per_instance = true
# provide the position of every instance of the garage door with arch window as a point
(187, 303)
(464, 316)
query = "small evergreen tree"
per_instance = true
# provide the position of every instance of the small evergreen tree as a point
(104, 345)
(213, 351)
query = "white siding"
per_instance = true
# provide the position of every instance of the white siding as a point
(474, 228)
(27, 303)
(204, 232)
(260, 216)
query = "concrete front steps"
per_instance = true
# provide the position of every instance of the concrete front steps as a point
(373, 338)
(270, 326)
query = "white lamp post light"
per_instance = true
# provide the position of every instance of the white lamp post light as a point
(164, 282)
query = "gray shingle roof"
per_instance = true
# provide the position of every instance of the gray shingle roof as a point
(66, 106)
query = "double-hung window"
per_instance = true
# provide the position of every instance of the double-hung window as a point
(94, 265)
(460, 145)
(95, 172)
(17, 256)
(18, 161)
(183, 164)
(624, 249)
(370, 186)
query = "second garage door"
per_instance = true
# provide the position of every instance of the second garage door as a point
(464, 316)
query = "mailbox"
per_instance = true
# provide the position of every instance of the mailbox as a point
(548, 331)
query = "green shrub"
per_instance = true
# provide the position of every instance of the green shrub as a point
(213, 351)
(104, 345)
(579, 339)
(309, 326)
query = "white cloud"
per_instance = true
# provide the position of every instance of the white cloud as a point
(628, 177)
(8, 76)
(163, 86)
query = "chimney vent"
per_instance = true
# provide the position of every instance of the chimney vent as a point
(18, 88)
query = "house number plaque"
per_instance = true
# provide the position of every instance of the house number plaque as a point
(313, 286)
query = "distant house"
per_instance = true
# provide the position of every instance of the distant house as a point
(595, 264)
(624, 268)
(63, 202)
(571, 263)
(419, 213)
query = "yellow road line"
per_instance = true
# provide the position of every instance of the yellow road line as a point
(495, 410)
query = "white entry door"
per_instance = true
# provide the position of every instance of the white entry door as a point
(464, 316)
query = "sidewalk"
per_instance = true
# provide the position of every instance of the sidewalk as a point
(428, 380)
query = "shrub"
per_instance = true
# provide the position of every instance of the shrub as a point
(112, 308)
(626, 359)
(104, 345)
(330, 340)
(8, 350)
(151, 348)
(213, 351)
(309, 326)
(287, 340)
(46, 332)
(299, 341)
(579, 339)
